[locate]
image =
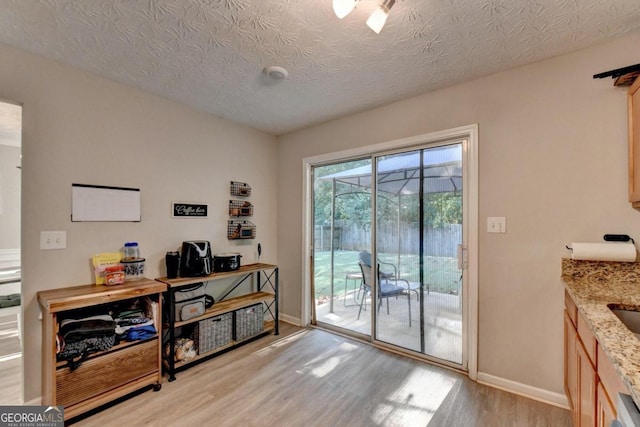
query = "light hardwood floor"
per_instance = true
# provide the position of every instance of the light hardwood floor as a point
(10, 359)
(309, 377)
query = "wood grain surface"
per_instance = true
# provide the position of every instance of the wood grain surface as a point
(309, 377)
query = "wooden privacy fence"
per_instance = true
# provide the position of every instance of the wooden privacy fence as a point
(441, 242)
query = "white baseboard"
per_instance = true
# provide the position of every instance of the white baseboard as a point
(290, 319)
(541, 395)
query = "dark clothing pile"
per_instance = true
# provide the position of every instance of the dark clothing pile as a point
(90, 333)
(77, 338)
(133, 324)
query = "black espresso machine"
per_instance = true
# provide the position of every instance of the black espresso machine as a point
(196, 259)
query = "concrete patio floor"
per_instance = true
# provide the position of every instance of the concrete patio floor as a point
(442, 321)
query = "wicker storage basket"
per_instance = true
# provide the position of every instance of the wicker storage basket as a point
(249, 322)
(213, 332)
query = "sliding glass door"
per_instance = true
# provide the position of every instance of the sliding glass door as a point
(387, 236)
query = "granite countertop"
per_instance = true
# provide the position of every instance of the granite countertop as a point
(593, 285)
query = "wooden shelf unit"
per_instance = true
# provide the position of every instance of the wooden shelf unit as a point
(230, 305)
(269, 301)
(104, 376)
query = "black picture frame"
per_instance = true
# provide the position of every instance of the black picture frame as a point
(189, 210)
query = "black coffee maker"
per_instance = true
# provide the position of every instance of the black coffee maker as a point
(196, 259)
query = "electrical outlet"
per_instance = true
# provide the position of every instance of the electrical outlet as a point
(496, 224)
(53, 240)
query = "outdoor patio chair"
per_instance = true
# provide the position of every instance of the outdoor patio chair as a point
(386, 289)
(389, 271)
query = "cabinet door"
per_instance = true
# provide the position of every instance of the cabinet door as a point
(586, 388)
(606, 412)
(570, 365)
(634, 143)
(611, 383)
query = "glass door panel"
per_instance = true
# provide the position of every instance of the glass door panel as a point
(418, 230)
(342, 230)
(397, 246)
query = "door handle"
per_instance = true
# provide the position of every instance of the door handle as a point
(462, 257)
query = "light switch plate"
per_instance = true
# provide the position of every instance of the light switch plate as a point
(496, 224)
(53, 240)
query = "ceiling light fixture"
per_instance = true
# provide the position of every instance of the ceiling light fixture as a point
(379, 16)
(376, 20)
(344, 7)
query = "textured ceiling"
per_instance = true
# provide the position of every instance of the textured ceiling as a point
(210, 53)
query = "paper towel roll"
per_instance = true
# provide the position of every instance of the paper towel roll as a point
(615, 251)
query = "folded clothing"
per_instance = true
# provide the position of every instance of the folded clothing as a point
(66, 322)
(134, 312)
(75, 353)
(140, 333)
(73, 330)
(83, 347)
(121, 330)
(132, 321)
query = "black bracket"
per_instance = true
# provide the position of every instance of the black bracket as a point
(617, 238)
(624, 76)
(618, 72)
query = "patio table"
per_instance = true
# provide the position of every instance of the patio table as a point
(356, 277)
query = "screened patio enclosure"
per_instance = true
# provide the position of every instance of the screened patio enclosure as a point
(418, 229)
(400, 174)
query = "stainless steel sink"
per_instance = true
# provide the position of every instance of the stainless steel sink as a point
(630, 318)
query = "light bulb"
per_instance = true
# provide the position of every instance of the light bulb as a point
(379, 16)
(343, 7)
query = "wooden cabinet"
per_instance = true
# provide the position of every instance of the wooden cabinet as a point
(606, 411)
(570, 364)
(580, 377)
(609, 378)
(633, 98)
(588, 339)
(590, 380)
(106, 375)
(224, 310)
(587, 382)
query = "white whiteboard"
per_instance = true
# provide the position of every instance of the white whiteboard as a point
(101, 203)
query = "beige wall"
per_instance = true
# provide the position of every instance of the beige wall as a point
(78, 128)
(552, 159)
(9, 197)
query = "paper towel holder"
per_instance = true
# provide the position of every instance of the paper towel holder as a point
(612, 238)
(617, 238)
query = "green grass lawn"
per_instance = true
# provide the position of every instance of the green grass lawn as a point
(441, 274)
